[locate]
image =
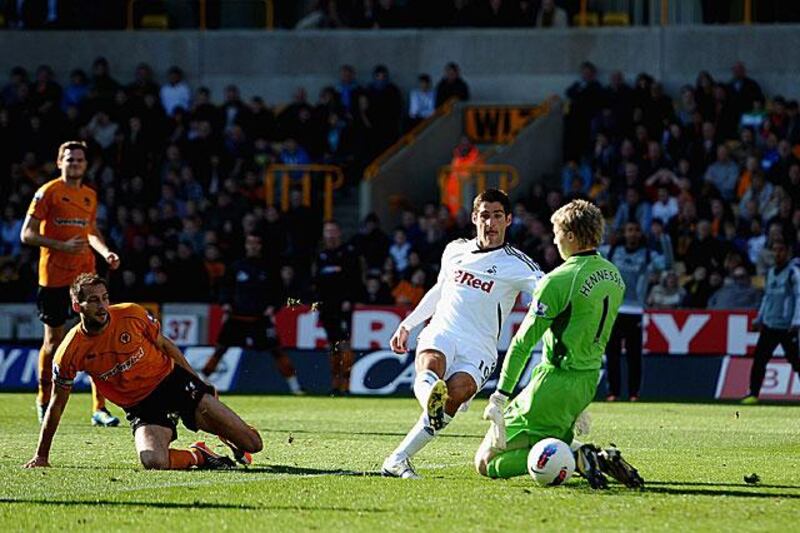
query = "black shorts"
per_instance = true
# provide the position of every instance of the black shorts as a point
(54, 305)
(336, 325)
(177, 396)
(256, 334)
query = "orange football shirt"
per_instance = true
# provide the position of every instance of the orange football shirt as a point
(124, 360)
(63, 212)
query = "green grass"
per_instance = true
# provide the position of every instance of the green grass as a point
(318, 471)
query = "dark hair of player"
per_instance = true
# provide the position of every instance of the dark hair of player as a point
(493, 195)
(81, 282)
(72, 145)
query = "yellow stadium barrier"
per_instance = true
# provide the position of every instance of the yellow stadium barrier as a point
(332, 178)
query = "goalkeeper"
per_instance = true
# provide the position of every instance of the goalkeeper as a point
(573, 309)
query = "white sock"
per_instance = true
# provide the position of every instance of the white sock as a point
(423, 383)
(294, 384)
(419, 436)
(575, 445)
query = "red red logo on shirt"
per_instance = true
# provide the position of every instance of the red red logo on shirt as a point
(471, 280)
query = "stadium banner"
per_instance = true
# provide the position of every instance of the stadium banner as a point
(780, 381)
(674, 332)
(487, 124)
(384, 373)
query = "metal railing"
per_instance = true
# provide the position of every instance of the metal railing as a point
(481, 176)
(202, 11)
(290, 176)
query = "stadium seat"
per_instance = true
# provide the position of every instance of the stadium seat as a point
(155, 21)
(616, 18)
(592, 19)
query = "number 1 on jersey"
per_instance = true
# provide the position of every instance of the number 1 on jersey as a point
(602, 320)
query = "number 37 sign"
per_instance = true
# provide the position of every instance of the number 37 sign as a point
(183, 330)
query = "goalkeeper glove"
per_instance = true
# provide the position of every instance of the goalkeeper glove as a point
(494, 413)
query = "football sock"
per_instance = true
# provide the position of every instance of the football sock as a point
(294, 384)
(183, 459)
(45, 377)
(419, 436)
(98, 401)
(423, 383)
(509, 464)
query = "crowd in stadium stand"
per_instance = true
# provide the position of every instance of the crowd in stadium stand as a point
(360, 14)
(705, 182)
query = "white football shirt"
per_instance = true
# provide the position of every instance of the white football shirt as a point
(476, 290)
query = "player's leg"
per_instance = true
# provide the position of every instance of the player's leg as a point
(152, 446)
(509, 462)
(633, 354)
(429, 388)
(346, 360)
(282, 361)
(333, 331)
(213, 416)
(228, 336)
(789, 343)
(613, 354)
(768, 340)
(53, 336)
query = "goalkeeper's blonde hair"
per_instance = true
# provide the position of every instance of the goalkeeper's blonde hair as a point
(583, 219)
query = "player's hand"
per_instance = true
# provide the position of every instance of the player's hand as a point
(37, 462)
(113, 260)
(399, 341)
(495, 408)
(75, 245)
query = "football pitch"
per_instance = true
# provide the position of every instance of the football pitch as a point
(320, 471)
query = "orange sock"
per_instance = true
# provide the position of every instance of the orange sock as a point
(45, 377)
(183, 459)
(98, 400)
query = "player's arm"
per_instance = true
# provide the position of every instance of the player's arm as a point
(52, 418)
(175, 353)
(31, 236)
(99, 245)
(549, 300)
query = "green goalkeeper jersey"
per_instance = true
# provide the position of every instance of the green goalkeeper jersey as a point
(574, 308)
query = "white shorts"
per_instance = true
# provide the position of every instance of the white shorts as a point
(461, 354)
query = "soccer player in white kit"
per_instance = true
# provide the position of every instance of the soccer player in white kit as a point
(478, 283)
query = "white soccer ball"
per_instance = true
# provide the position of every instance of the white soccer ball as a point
(550, 462)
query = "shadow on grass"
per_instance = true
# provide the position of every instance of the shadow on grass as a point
(712, 484)
(187, 505)
(301, 471)
(679, 488)
(368, 433)
(111, 503)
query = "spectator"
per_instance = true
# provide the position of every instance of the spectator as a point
(668, 294)
(666, 207)
(551, 16)
(736, 292)
(421, 101)
(371, 242)
(409, 292)
(634, 209)
(465, 156)
(348, 88)
(103, 86)
(376, 292)
(723, 174)
(759, 192)
(102, 129)
(743, 90)
(385, 108)
(10, 228)
(400, 249)
(586, 100)
(451, 85)
(636, 262)
(175, 93)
